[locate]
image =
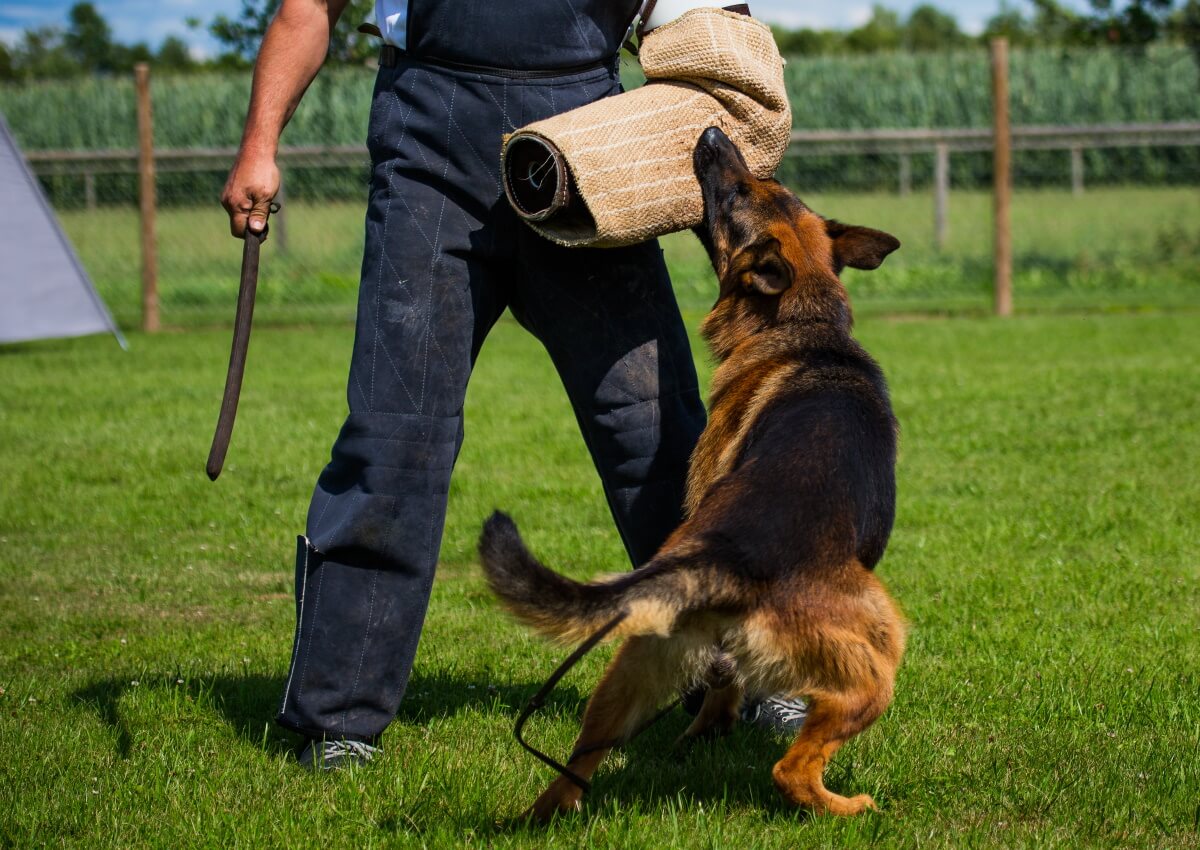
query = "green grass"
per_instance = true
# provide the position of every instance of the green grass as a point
(1122, 248)
(1045, 551)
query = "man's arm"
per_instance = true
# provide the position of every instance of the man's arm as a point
(292, 52)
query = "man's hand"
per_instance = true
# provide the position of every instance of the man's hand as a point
(252, 185)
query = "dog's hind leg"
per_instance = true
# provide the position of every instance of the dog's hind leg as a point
(832, 720)
(645, 673)
(853, 673)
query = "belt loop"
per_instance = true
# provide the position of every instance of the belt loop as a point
(389, 56)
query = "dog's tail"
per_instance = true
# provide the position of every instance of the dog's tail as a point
(652, 597)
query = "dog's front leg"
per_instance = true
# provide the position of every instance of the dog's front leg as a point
(719, 712)
(717, 716)
(644, 673)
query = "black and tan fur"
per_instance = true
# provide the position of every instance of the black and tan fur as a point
(767, 586)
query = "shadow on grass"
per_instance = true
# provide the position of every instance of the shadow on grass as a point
(248, 703)
(653, 771)
(445, 693)
(104, 698)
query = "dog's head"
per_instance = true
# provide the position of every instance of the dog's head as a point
(776, 260)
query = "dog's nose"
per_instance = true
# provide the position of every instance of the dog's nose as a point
(710, 148)
(714, 137)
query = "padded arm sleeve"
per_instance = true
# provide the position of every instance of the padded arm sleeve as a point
(625, 162)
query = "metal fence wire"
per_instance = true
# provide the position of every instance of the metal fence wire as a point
(1105, 174)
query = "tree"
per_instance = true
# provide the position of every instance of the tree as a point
(881, 32)
(243, 35)
(8, 67)
(1011, 24)
(125, 56)
(1055, 25)
(1139, 23)
(1134, 23)
(807, 42)
(40, 53)
(929, 28)
(174, 55)
(88, 40)
(1186, 25)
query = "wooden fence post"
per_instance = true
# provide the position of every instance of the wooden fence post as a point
(1077, 170)
(1002, 159)
(905, 175)
(148, 200)
(941, 193)
(89, 190)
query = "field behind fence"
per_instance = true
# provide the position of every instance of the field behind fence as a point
(1096, 223)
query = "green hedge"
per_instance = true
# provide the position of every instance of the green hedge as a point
(881, 90)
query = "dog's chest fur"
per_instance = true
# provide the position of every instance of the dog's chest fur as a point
(749, 379)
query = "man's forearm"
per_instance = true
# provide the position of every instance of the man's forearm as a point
(292, 52)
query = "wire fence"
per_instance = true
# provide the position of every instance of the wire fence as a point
(1105, 209)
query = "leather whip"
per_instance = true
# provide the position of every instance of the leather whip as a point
(252, 242)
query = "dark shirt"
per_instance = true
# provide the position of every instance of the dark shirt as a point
(529, 35)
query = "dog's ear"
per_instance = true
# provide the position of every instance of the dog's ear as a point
(859, 247)
(761, 268)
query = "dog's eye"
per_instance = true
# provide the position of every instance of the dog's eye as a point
(743, 189)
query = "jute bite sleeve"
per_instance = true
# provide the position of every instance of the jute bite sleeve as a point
(619, 171)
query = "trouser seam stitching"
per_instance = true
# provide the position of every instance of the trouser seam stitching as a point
(299, 626)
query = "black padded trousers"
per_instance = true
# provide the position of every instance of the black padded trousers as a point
(444, 256)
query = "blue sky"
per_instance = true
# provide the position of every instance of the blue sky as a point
(153, 20)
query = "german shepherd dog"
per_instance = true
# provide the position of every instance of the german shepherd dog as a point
(767, 586)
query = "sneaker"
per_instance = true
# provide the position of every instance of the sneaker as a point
(336, 754)
(779, 714)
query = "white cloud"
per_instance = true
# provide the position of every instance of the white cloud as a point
(791, 18)
(10, 35)
(813, 15)
(859, 15)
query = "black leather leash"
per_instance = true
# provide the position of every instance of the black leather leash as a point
(247, 288)
(538, 700)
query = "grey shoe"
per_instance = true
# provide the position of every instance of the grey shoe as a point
(777, 713)
(336, 754)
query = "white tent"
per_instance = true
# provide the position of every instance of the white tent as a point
(44, 290)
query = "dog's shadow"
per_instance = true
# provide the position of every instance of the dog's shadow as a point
(656, 769)
(649, 771)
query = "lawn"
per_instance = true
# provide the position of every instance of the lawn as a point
(1120, 248)
(1046, 552)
